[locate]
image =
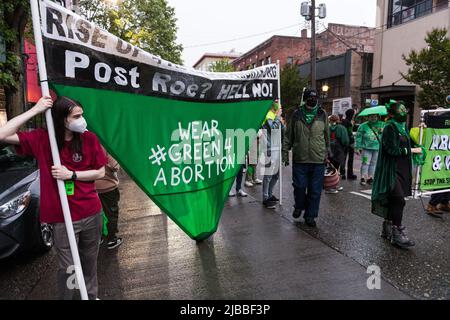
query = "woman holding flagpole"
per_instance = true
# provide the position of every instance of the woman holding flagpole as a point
(82, 162)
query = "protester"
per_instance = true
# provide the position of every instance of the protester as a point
(108, 191)
(367, 145)
(82, 162)
(238, 187)
(272, 166)
(307, 134)
(393, 176)
(349, 125)
(339, 142)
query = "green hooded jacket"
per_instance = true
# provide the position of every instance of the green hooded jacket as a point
(339, 133)
(386, 170)
(365, 136)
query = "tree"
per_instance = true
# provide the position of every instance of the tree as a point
(429, 69)
(222, 65)
(148, 24)
(14, 15)
(291, 88)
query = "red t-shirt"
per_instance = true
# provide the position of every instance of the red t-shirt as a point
(84, 202)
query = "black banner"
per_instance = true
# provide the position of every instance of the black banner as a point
(441, 121)
(70, 64)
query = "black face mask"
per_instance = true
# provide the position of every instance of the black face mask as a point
(311, 102)
(401, 113)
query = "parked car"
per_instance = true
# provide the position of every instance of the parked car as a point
(20, 228)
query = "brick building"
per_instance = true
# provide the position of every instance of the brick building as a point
(335, 40)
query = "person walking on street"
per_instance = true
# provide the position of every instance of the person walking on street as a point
(349, 124)
(307, 134)
(82, 162)
(393, 176)
(272, 123)
(339, 142)
(108, 191)
(367, 145)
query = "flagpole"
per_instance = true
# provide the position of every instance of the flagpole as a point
(54, 148)
(280, 173)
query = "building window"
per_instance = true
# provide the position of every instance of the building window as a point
(261, 62)
(268, 60)
(290, 60)
(401, 11)
(336, 86)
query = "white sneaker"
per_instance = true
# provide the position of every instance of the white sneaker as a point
(248, 184)
(232, 194)
(241, 193)
(258, 181)
(340, 188)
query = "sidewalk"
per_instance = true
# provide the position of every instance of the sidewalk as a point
(255, 254)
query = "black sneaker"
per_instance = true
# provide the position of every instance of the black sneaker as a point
(343, 177)
(269, 204)
(370, 181)
(297, 213)
(115, 243)
(352, 177)
(274, 199)
(311, 223)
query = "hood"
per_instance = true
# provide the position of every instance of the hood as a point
(13, 181)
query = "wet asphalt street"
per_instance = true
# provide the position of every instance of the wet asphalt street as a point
(257, 254)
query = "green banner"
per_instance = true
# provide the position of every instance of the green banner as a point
(179, 133)
(435, 173)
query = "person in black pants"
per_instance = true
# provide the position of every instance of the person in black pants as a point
(239, 192)
(393, 176)
(348, 123)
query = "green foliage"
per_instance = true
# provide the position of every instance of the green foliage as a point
(222, 65)
(13, 17)
(429, 68)
(148, 24)
(291, 87)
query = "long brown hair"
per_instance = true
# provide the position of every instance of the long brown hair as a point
(61, 109)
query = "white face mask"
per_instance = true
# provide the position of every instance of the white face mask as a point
(79, 125)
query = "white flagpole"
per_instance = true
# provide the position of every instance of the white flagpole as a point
(280, 173)
(55, 154)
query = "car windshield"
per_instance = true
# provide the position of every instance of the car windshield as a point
(10, 161)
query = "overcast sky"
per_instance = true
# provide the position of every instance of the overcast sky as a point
(201, 22)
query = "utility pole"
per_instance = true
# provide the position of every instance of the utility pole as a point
(309, 13)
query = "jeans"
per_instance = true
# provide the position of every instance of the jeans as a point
(87, 233)
(268, 183)
(307, 179)
(368, 163)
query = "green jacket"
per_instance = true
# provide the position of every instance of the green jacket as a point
(386, 170)
(339, 133)
(366, 138)
(309, 143)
